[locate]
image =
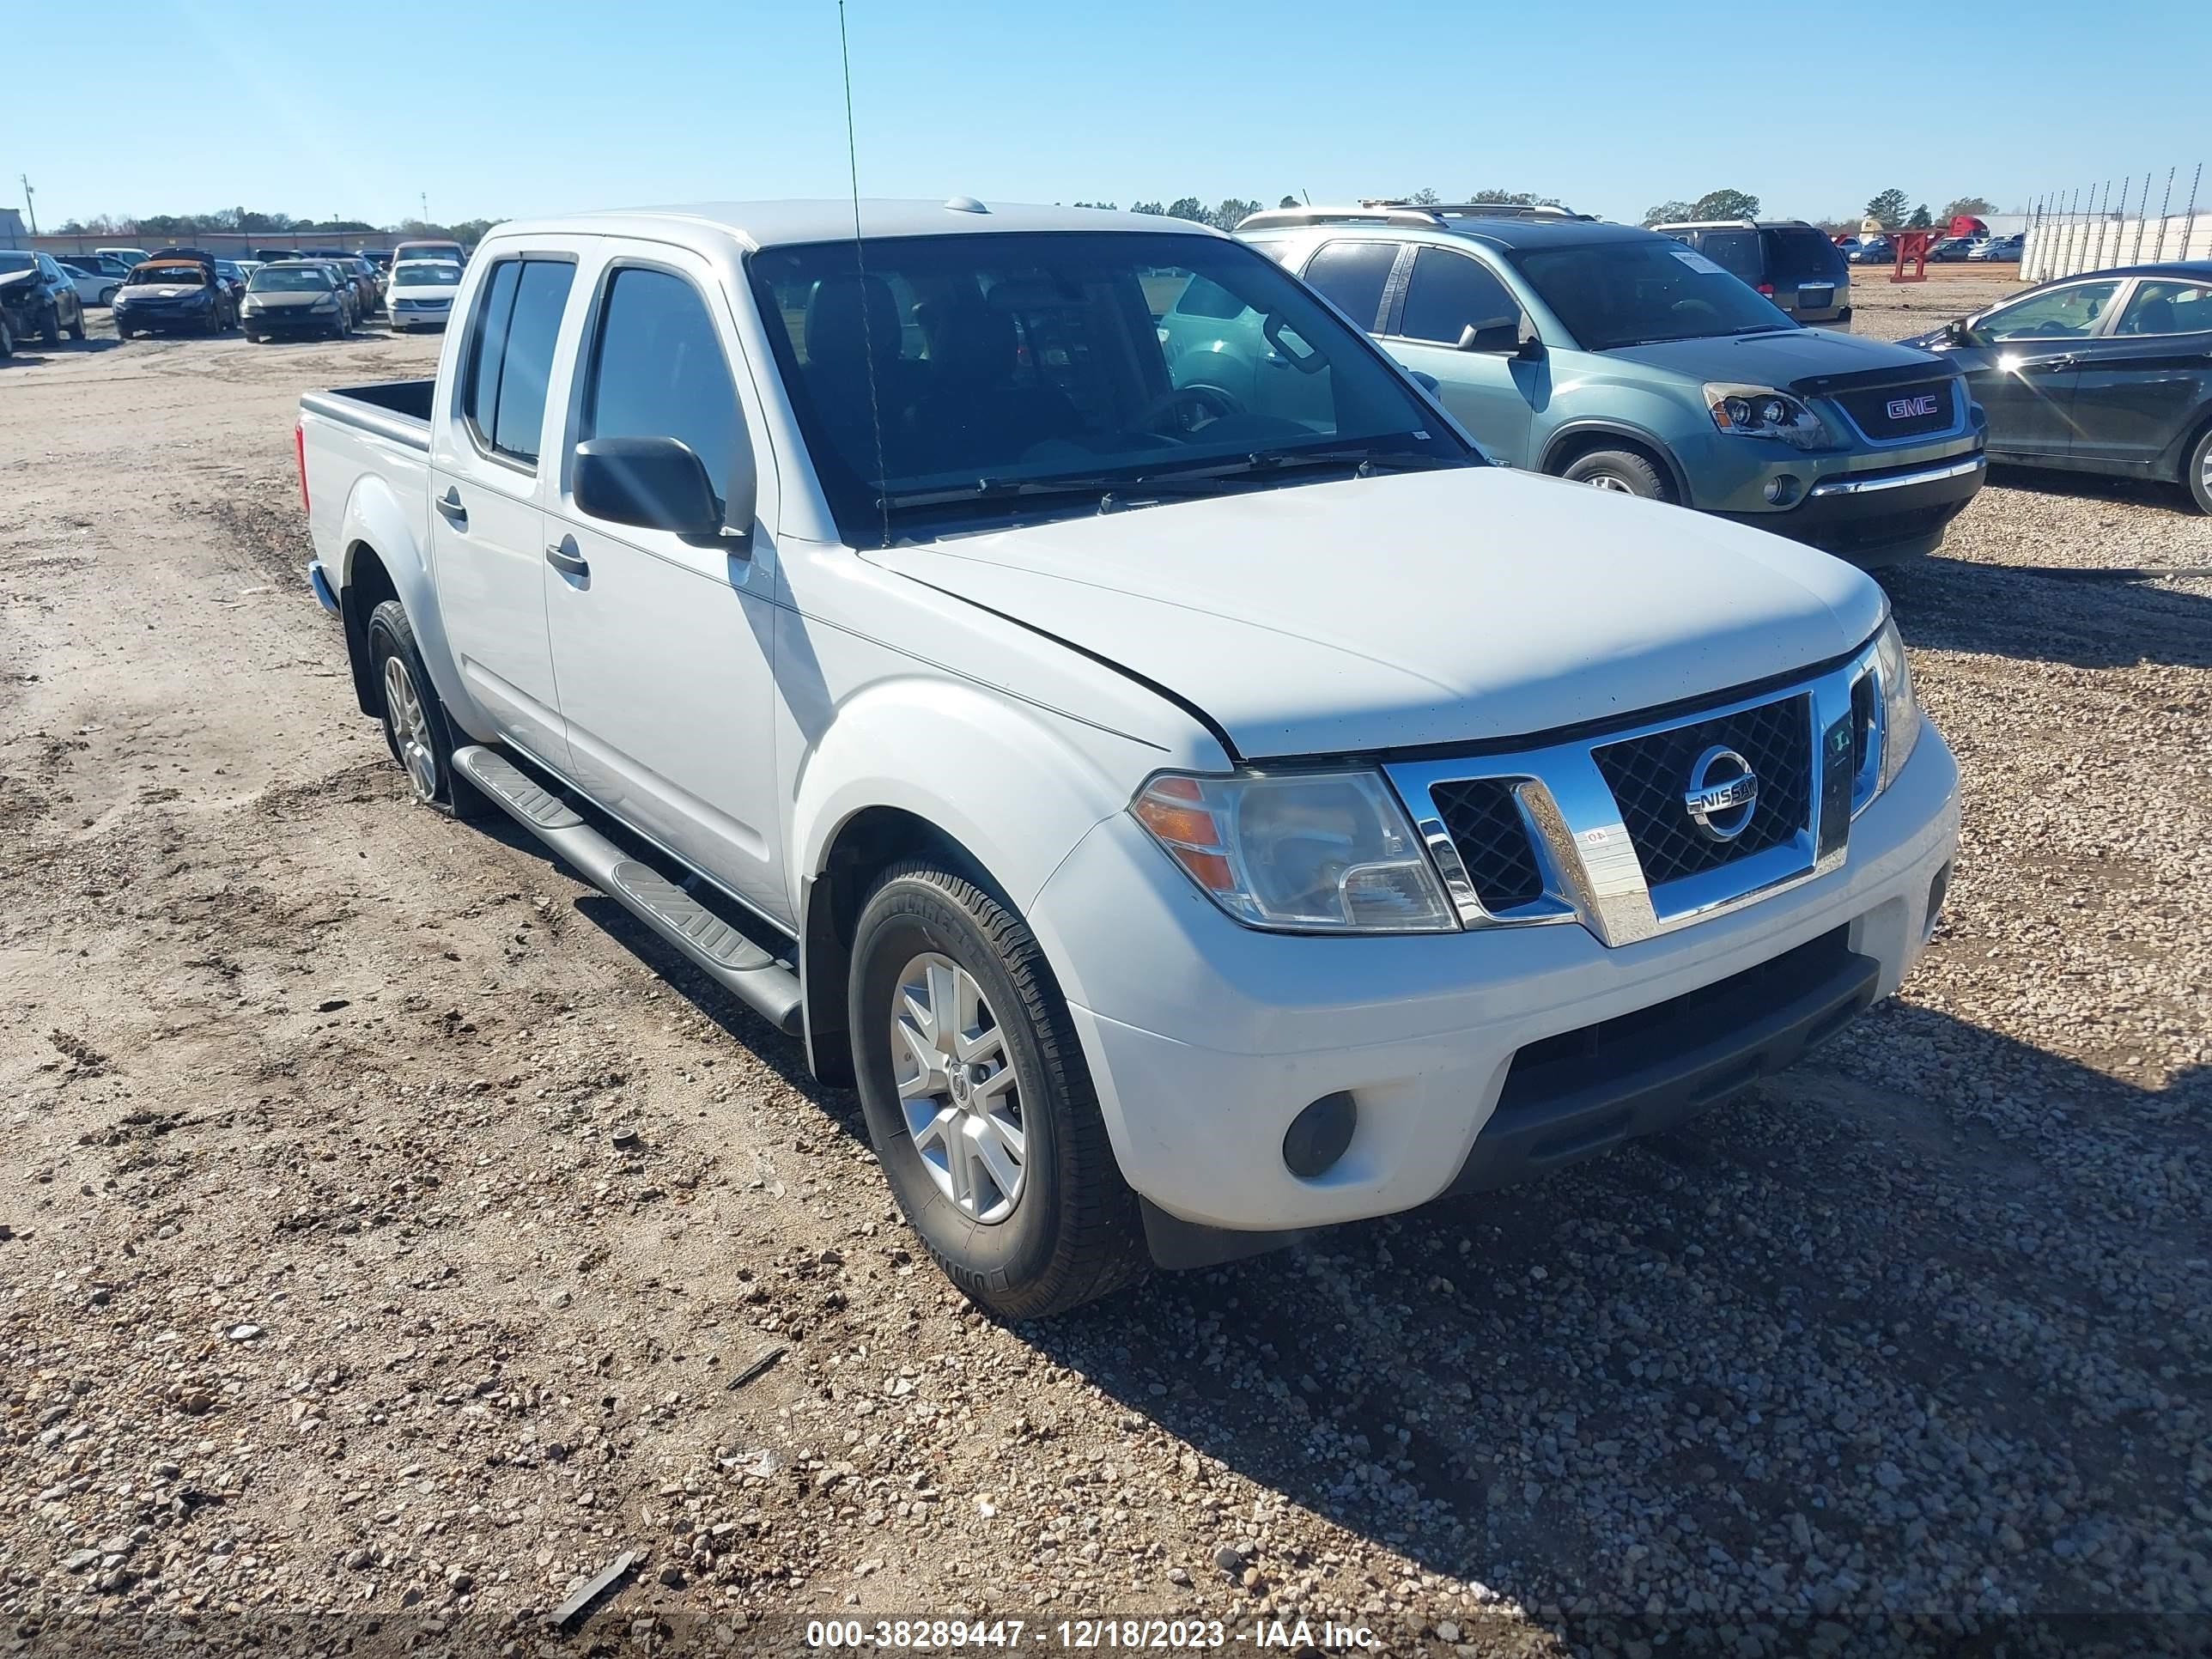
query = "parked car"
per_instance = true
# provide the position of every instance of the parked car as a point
(1617, 357)
(94, 288)
(1999, 250)
(360, 275)
(2108, 373)
(432, 248)
(1189, 825)
(98, 265)
(422, 293)
(1790, 262)
(349, 287)
(247, 267)
(129, 257)
(174, 295)
(1950, 249)
(297, 296)
(37, 298)
(1870, 250)
(230, 286)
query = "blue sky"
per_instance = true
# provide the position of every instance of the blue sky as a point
(501, 107)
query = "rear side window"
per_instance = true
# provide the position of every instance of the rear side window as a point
(658, 370)
(1450, 293)
(1351, 274)
(1803, 256)
(511, 355)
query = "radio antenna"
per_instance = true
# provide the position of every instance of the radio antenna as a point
(860, 265)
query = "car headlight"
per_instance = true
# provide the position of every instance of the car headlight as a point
(328, 302)
(1298, 852)
(1901, 711)
(1760, 411)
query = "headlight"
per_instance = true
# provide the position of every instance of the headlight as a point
(1760, 411)
(1298, 852)
(1901, 712)
(328, 302)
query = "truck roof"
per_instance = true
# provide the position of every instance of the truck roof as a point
(770, 224)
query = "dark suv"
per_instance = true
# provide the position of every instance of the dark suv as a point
(1790, 262)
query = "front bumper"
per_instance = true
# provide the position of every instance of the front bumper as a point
(290, 320)
(1881, 516)
(1206, 1039)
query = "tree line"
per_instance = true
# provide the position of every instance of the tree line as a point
(175, 227)
(1889, 207)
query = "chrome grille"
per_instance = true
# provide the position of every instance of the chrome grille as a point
(1648, 775)
(1493, 839)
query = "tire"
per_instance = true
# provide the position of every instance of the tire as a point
(122, 333)
(251, 338)
(416, 728)
(106, 297)
(76, 328)
(7, 340)
(1069, 1233)
(51, 330)
(1625, 471)
(2196, 471)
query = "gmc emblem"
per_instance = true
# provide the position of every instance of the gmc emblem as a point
(1904, 409)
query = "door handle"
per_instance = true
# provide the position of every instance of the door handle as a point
(564, 557)
(2054, 362)
(450, 505)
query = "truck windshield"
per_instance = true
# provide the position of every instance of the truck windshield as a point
(1609, 294)
(949, 382)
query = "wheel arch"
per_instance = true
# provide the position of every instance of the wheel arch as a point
(1031, 797)
(1577, 438)
(381, 558)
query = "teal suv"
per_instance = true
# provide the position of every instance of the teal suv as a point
(1620, 358)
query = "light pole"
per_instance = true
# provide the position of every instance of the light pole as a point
(29, 210)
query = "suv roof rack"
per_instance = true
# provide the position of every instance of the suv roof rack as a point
(1428, 216)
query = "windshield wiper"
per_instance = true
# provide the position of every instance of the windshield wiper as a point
(1365, 462)
(1110, 489)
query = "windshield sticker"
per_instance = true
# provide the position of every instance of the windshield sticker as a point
(1697, 261)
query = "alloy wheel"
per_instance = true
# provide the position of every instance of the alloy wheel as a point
(1609, 481)
(410, 729)
(958, 1088)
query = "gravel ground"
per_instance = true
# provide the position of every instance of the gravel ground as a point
(390, 1229)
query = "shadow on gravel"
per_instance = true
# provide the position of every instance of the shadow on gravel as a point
(1831, 1348)
(2093, 487)
(1994, 610)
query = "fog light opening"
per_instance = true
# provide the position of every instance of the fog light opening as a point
(1936, 889)
(1783, 488)
(1318, 1135)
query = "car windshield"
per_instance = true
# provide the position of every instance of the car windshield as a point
(18, 262)
(1609, 294)
(172, 276)
(942, 380)
(425, 274)
(297, 279)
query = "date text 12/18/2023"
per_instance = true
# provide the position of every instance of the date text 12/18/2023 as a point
(1122, 1635)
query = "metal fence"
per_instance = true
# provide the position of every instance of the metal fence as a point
(2106, 224)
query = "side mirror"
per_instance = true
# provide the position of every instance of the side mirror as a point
(1503, 338)
(1955, 333)
(1428, 383)
(658, 483)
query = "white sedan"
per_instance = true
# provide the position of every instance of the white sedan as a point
(93, 287)
(422, 293)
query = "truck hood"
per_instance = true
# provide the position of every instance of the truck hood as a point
(1779, 360)
(1432, 608)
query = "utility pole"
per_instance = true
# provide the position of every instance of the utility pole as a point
(28, 193)
(423, 198)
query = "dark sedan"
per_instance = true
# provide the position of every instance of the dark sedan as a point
(36, 298)
(2109, 373)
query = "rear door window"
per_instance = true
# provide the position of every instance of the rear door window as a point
(1352, 275)
(511, 355)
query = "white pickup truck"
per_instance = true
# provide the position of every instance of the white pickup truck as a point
(1188, 823)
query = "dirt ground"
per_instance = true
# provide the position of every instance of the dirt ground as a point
(389, 1229)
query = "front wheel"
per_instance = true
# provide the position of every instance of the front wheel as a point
(1622, 470)
(978, 1101)
(76, 328)
(414, 723)
(51, 330)
(2197, 473)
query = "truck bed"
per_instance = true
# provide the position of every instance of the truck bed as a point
(396, 409)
